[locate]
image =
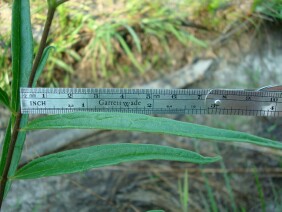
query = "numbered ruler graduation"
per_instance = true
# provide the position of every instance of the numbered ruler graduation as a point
(266, 101)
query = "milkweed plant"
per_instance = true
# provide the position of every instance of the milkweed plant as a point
(26, 70)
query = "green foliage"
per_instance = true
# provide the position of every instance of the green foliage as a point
(5, 147)
(78, 160)
(214, 5)
(143, 123)
(112, 37)
(128, 52)
(4, 64)
(183, 190)
(42, 64)
(259, 190)
(131, 34)
(211, 195)
(55, 3)
(22, 48)
(211, 205)
(64, 37)
(4, 99)
(156, 211)
(270, 8)
(16, 53)
(227, 182)
(17, 151)
(151, 25)
(22, 55)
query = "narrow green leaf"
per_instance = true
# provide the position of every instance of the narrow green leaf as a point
(17, 152)
(5, 147)
(109, 46)
(55, 3)
(74, 54)
(197, 41)
(42, 64)
(22, 58)
(78, 160)
(170, 28)
(16, 52)
(26, 44)
(227, 178)
(135, 37)
(160, 36)
(22, 48)
(143, 123)
(183, 190)
(212, 205)
(128, 52)
(63, 65)
(260, 190)
(103, 60)
(4, 99)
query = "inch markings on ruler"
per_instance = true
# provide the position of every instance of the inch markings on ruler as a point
(153, 101)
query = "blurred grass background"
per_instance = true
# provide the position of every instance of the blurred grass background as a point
(104, 40)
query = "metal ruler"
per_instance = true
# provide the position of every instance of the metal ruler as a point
(266, 101)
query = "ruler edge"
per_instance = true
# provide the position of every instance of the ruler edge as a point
(208, 92)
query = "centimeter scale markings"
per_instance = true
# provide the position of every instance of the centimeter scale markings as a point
(263, 102)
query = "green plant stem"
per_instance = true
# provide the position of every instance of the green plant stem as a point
(14, 137)
(16, 128)
(50, 16)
